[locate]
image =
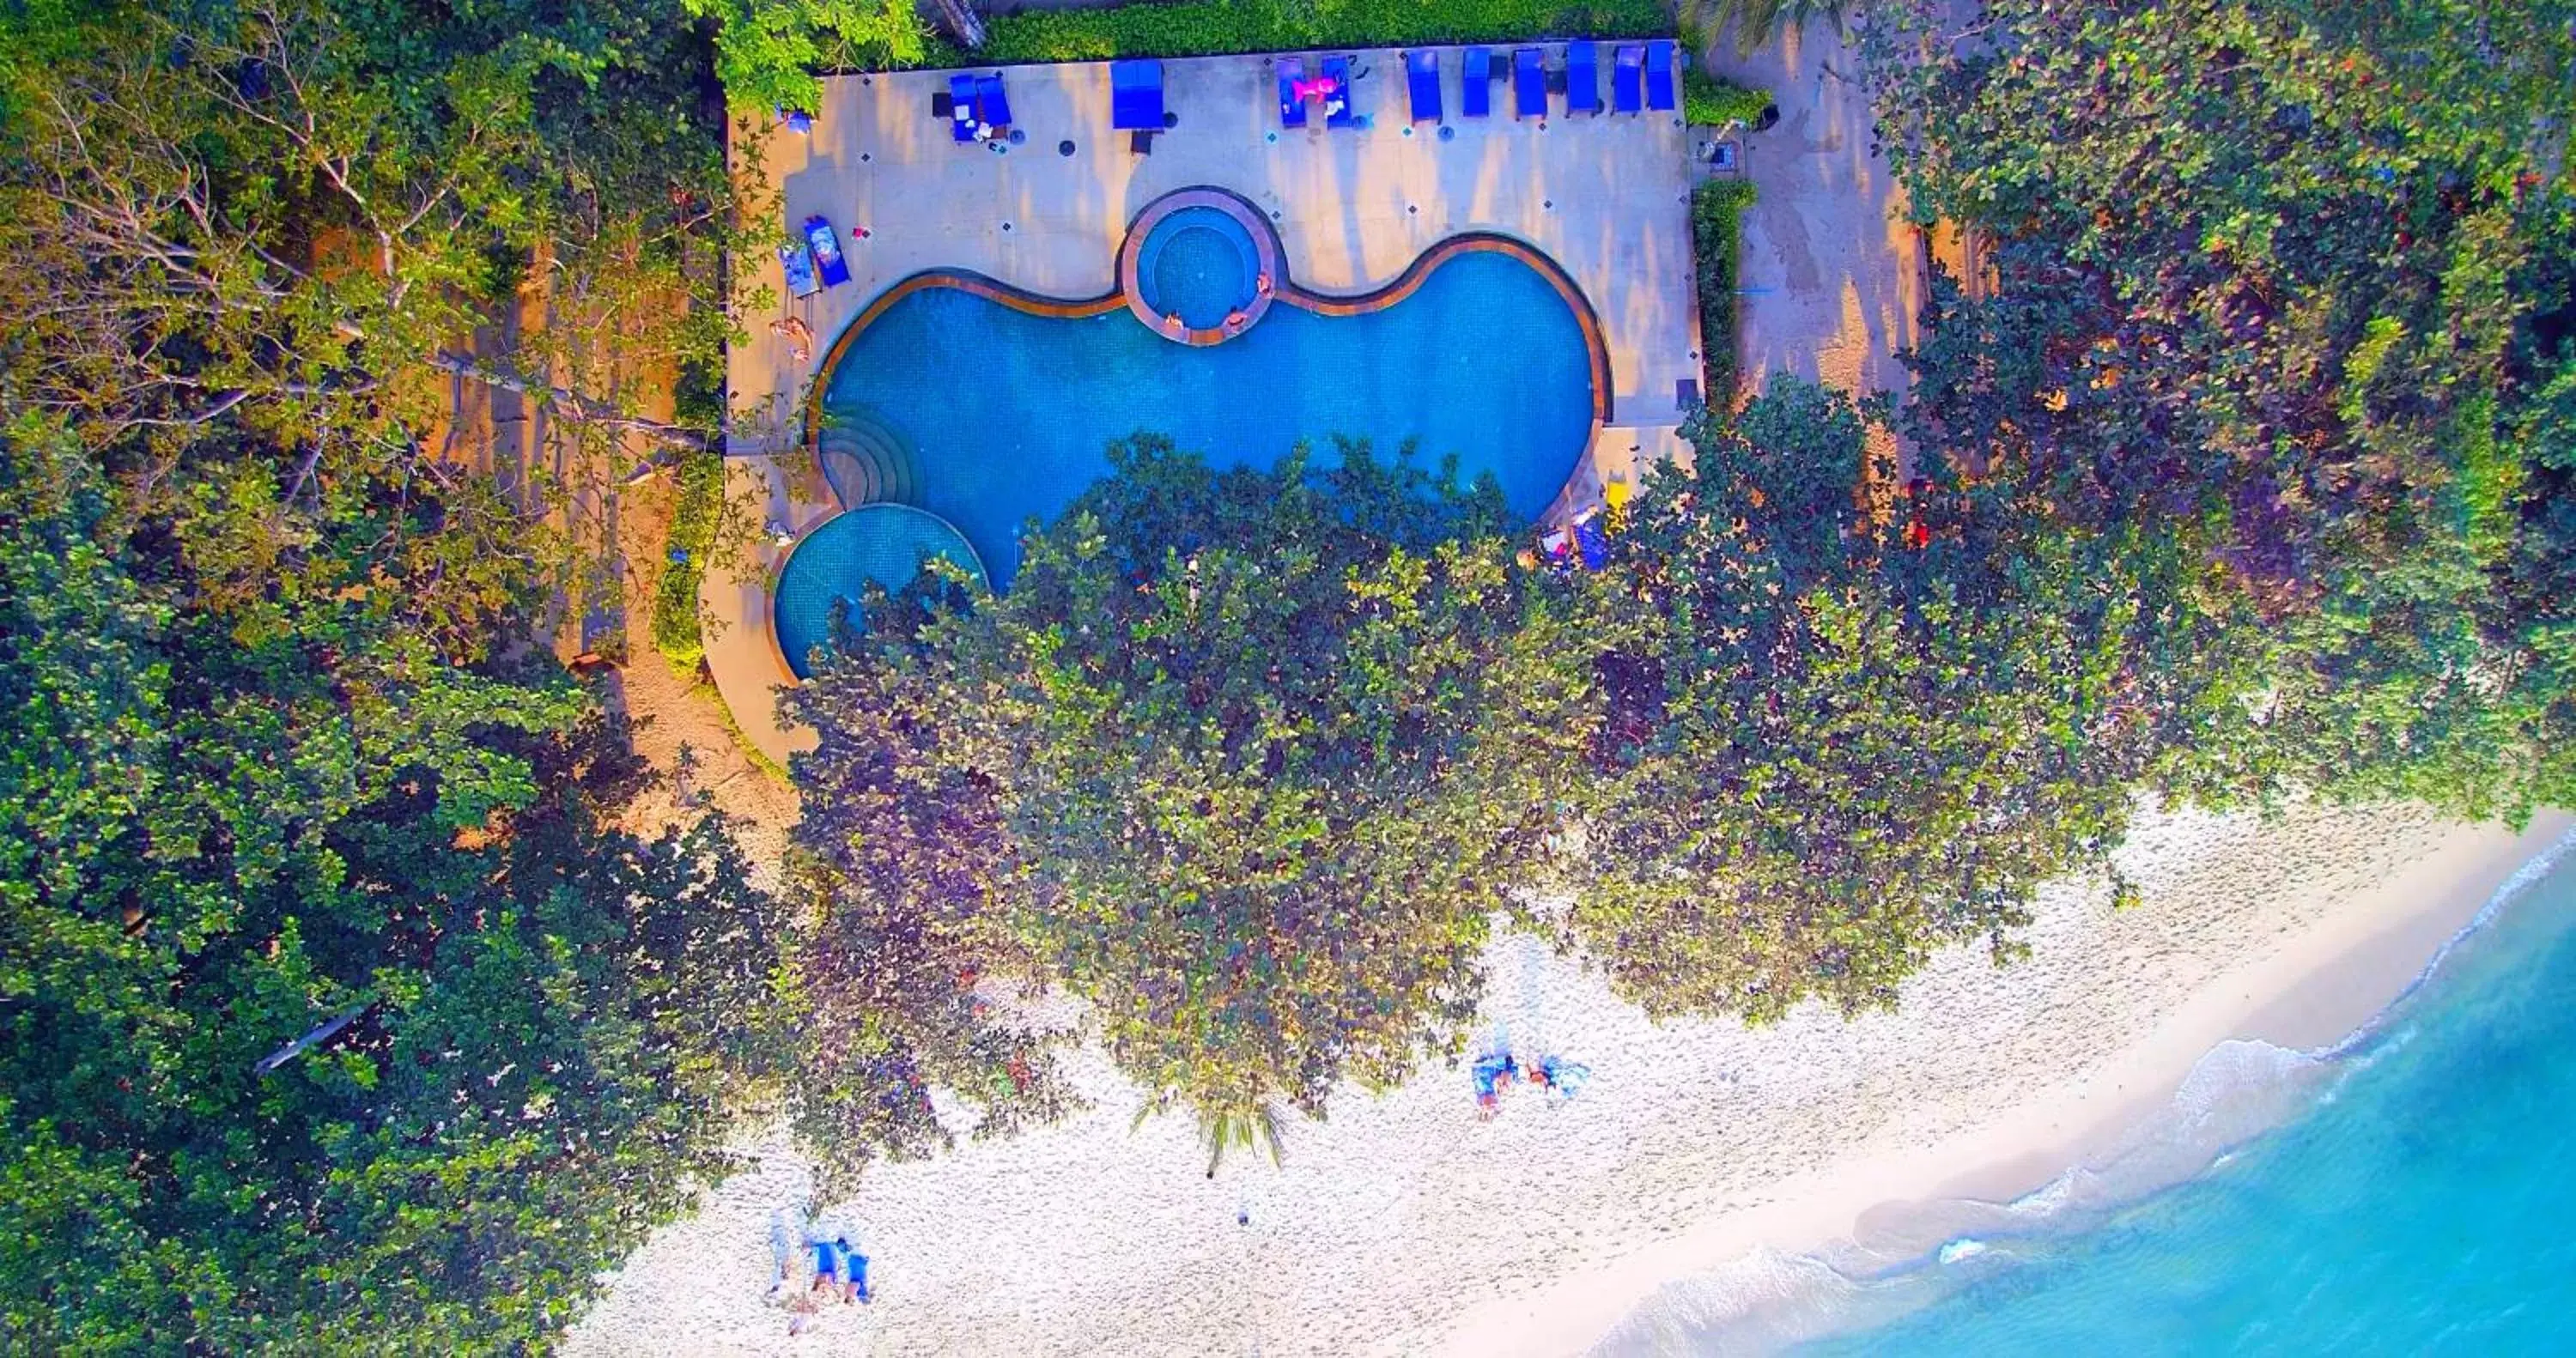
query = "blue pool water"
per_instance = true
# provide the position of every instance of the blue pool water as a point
(881, 544)
(1198, 263)
(2421, 1201)
(1007, 414)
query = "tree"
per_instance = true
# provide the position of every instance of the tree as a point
(1755, 22)
(518, 1025)
(900, 860)
(766, 50)
(1248, 777)
(2258, 287)
(1829, 752)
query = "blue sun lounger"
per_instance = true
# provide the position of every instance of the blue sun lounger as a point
(1476, 92)
(961, 108)
(1422, 83)
(1292, 110)
(1529, 84)
(1338, 71)
(1136, 96)
(1582, 77)
(992, 103)
(1659, 76)
(826, 245)
(1628, 80)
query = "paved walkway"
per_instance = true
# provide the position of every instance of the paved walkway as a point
(1831, 270)
(1606, 197)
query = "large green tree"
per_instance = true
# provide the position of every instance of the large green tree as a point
(2264, 279)
(338, 1013)
(1245, 761)
(1837, 737)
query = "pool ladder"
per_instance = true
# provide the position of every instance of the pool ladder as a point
(865, 464)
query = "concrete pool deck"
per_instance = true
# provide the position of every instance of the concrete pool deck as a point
(1605, 196)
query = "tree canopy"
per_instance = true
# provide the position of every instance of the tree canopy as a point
(1244, 769)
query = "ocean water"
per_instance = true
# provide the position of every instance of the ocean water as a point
(2411, 1192)
(1007, 415)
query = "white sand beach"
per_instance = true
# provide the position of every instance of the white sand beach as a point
(1403, 1224)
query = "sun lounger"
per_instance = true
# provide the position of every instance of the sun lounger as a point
(797, 260)
(1422, 84)
(961, 108)
(1591, 544)
(1476, 93)
(994, 105)
(1292, 109)
(1582, 78)
(1628, 80)
(828, 264)
(1659, 76)
(1340, 109)
(1529, 84)
(1136, 96)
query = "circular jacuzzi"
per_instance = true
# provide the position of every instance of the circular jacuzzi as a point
(883, 544)
(1199, 266)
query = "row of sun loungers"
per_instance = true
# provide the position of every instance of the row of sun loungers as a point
(1643, 76)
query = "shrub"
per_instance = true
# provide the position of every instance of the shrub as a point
(676, 632)
(1708, 100)
(1217, 27)
(1716, 209)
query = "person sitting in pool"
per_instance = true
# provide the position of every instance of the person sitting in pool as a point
(1172, 324)
(1236, 320)
(1261, 284)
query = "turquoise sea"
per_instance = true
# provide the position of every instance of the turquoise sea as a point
(2414, 1193)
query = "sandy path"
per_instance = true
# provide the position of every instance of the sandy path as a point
(1404, 1225)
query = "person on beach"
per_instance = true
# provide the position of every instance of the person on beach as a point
(840, 1272)
(1558, 1078)
(1493, 1074)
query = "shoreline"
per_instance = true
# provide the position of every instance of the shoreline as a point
(2324, 989)
(1403, 1224)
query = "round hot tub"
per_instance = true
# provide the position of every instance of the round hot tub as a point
(835, 562)
(1198, 264)
(1195, 264)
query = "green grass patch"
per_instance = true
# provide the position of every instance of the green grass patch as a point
(676, 631)
(1201, 28)
(1710, 101)
(1717, 208)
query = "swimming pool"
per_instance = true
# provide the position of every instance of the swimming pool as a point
(1007, 413)
(883, 544)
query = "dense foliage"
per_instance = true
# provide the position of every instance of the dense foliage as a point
(1837, 739)
(1711, 101)
(2295, 299)
(696, 514)
(1751, 23)
(1717, 229)
(767, 50)
(341, 1012)
(1247, 766)
(225, 828)
(1215, 27)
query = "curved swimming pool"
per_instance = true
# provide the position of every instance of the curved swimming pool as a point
(881, 544)
(1009, 413)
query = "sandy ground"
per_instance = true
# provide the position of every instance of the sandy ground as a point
(1403, 1224)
